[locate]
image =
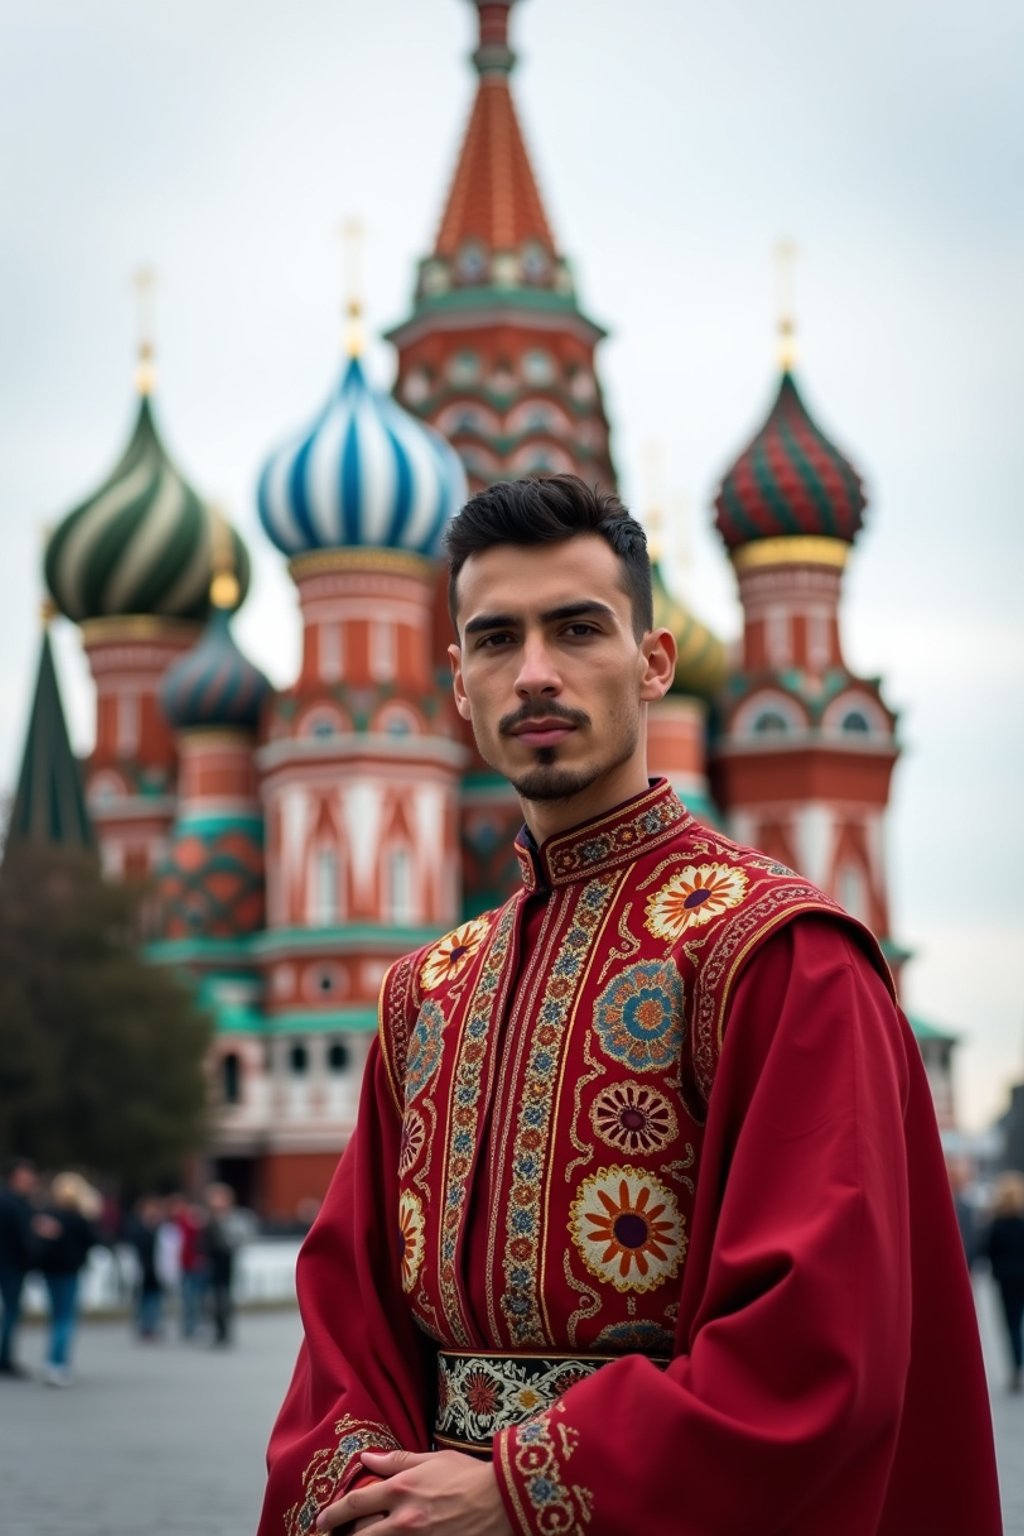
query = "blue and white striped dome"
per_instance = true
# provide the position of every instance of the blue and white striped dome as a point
(366, 475)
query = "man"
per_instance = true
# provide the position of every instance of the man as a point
(645, 1226)
(219, 1242)
(16, 1249)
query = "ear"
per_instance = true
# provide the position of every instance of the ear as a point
(458, 687)
(659, 651)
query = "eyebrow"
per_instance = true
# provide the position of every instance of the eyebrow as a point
(590, 608)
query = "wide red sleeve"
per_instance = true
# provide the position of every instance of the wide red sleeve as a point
(782, 1409)
(360, 1382)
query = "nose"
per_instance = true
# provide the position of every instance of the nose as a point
(538, 676)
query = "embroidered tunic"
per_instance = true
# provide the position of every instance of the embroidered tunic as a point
(646, 1196)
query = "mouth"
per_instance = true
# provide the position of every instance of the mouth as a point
(542, 733)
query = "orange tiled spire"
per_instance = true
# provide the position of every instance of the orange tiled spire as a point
(494, 198)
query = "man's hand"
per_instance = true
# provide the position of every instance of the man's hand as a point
(441, 1493)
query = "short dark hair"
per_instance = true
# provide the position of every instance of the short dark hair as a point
(548, 509)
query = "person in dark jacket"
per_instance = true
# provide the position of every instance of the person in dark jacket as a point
(1003, 1246)
(142, 1231)
(219, 1241)
(16, 1243)
(73, 1213)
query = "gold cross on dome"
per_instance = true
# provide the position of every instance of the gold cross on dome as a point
(353, 235)
(144, 283)
(785, 257)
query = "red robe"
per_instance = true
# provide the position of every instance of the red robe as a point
(646, 1196)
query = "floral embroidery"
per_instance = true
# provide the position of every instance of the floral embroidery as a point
(478, 1395)
(634, 1117)
(410, 1237)
(450, 955)
(525, 1226)
(638, 1018)
(627, 1226)
(324, 1479)
(579, 854)
(414, 1134)
(636, 1336)
(692, 897)
(539, 1449)
(465, 1098)
(424, 1056)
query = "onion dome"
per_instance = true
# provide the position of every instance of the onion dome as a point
(365, 475)
(791, 480)
(214, 684)
(702, 664)
(142, 544)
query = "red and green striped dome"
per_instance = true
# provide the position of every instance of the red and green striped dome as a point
(790, 481)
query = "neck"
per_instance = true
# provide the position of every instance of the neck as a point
(548, 818)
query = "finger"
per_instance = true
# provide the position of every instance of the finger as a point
(387, 1463)
(361, 1502)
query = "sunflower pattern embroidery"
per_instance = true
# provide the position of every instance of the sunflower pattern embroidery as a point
(634, 1118)
(424, 1054)
(638, 1018)
(410, 1237)
(450, 955)
(628, 1228)
(414, 1134)
(692, 897)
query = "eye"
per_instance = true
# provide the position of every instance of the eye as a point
(494, 641)
(580, 629)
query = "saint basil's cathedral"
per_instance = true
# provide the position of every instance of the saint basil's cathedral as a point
(298, 841)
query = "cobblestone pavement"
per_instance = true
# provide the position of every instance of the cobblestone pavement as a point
(169, 1438)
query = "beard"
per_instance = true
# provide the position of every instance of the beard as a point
(547, 780)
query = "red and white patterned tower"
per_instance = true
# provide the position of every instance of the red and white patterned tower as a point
(803, 760)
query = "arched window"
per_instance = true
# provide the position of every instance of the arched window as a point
(770, 723)
(538, 366)
(464, 367)
(383, 648)
(298, 1059)
(337, 1056)
(536, 262)
(330, 652)
(400, 886)
(855, 720)
(325, 886)
(471, 262)
(231, 1078)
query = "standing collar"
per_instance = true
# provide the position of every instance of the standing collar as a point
(637, 825)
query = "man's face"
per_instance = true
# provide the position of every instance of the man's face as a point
(549, 670)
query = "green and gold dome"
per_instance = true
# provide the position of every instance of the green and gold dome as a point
(702, 664)
(142, 543)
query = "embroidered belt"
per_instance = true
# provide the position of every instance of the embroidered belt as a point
(479, 1394)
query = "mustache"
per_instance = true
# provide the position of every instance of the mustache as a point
(526, 712)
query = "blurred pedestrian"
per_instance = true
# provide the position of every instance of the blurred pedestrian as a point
(961, 1178)
(1003, 1245)
(20, 1184)
(141, 1232)
(64, 1237)
(188, 1219)
(222, 1235)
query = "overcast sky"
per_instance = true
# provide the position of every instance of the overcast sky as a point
(224, 141)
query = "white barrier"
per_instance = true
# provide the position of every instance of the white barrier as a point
(264, 1276)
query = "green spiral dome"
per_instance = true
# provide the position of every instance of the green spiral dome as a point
(142, 544)
(703, 664)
